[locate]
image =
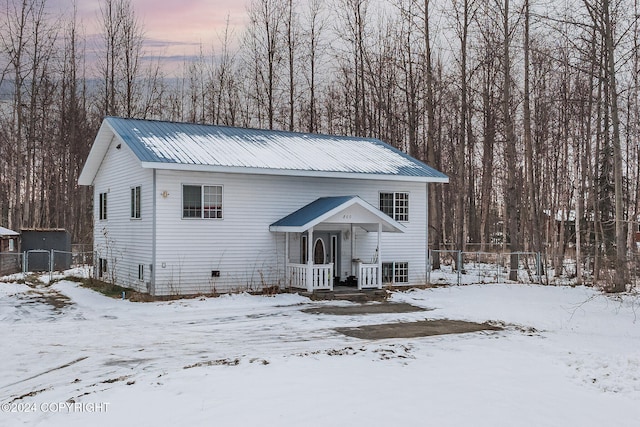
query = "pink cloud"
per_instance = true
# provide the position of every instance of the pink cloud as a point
(181, 21)
(196, 21)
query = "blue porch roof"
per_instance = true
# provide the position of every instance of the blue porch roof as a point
(325, 208)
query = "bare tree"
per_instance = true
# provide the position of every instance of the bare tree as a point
(122, 37)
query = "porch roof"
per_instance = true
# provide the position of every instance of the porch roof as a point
(337, 210)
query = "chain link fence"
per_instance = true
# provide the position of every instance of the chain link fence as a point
(532, 267)
(46, 261)
(458, 267)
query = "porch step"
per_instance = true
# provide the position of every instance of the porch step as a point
(362, 296)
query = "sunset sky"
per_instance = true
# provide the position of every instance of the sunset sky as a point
(173, 28)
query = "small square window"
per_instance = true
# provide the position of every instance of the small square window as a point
(395, 272)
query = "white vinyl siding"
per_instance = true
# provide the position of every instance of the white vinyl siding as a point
(242, 248)
(121, 242)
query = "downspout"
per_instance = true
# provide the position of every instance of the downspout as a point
(152, 289)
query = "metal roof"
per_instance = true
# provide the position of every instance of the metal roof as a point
(5, 232)
(325, 208)
(169, 145)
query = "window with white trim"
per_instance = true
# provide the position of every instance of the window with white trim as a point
(102, 207)
(102, 267)
(135, 202)
(396, 205)
(303, 250)
(202, 201)
(395, 272)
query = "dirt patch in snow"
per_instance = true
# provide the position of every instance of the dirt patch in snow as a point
(49, 298)
(365, 309)
(423, 328)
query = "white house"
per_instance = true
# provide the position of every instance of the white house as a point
(183, 208)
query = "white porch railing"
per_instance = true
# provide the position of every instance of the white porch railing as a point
(368, 276)
(321, 276)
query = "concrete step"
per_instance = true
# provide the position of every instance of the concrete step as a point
(353, 296)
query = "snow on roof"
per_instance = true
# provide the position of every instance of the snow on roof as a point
(169, 145)
(5, 232)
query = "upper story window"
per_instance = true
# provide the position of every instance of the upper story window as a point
(396, 205)
(102, 213)
(135, 202)
(202, 201)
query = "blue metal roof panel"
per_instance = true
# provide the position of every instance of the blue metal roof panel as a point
(222, 146)
(313, 210)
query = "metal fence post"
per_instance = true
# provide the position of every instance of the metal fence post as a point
(538, 269)
(25, 262)
(459, 267)
(51, 266)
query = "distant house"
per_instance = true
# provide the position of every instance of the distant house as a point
(9, 251)
(183, 208)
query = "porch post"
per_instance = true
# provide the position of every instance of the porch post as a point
(353, 251)
(310, 260)
(379, 256)
(286, 259)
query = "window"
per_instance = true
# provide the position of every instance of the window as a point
(140, 271)
(102, 267)
(12, 245)
(103, 206)
(135, 202)
(212, 201)
(395, 272)
(303, 250)
(396, 205)
(202, 201)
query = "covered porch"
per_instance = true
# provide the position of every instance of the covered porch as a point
(321, 245)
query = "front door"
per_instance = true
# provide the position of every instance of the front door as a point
(327, 248)
(319, 252)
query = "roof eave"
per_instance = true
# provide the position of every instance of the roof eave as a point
(97, 153)
(292, 172)
(392, 225)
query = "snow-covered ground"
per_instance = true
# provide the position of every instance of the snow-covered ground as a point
(72, 357)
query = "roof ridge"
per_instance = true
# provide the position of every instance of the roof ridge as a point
(251, 129)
